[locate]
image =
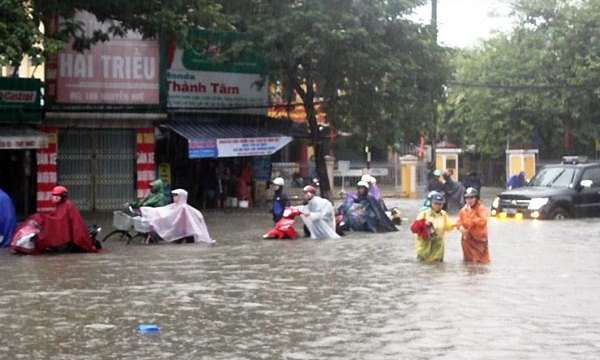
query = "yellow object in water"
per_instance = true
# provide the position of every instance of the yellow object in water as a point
(518, 216)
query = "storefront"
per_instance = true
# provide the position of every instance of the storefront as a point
(20, 113)
(195, 147)
(217, 117)
(102, 109)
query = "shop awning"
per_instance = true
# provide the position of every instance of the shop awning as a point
(22, 138)
(211, 140)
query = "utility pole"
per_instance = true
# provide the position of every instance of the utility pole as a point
(434, 16)
(368, 150)
(434, 119)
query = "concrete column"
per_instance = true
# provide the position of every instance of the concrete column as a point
(408, 174)
(329, 163)
(260, 193)
(518, 160)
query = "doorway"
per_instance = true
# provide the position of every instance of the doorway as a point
(18, 180)
(97, 166)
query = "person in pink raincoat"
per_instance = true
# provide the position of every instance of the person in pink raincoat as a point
(177, 220)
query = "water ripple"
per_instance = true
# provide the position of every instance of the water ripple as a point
(362, 297)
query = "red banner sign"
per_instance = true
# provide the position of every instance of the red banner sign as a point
(46, 170)
(145, 167)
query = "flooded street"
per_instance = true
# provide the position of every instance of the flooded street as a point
(361, 297)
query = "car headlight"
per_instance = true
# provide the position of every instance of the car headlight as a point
(537, 203)
(496, 202)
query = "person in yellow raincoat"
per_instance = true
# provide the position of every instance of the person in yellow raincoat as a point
(429, 243)
(472, 223)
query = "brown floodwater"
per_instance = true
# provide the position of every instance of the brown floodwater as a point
(360, 297)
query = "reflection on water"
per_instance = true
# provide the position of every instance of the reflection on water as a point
(361, 297)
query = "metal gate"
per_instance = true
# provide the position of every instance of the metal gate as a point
(97, 166)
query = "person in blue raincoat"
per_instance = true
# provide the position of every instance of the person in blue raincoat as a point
(364, 213)
(516, 181)
(280, 199)
(8, 219)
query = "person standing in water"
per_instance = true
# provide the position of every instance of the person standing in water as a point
(429, 227)
(472, 223)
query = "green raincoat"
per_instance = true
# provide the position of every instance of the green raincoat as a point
(156, 197)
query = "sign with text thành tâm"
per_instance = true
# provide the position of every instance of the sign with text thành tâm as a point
(206, 79)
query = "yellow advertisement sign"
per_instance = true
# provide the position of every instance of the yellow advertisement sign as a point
(164, 173)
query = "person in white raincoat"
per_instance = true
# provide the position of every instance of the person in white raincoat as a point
(318, 215)
(177, 220)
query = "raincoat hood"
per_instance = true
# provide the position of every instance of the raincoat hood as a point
(156, 186)
(321, 219)
(183, 195)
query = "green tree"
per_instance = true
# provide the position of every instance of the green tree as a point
(20, 33)
(372, 68)
(541, 78)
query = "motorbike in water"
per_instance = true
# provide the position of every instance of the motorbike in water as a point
(284, 228)
(394, 214)
(340, 225)
(25, 239)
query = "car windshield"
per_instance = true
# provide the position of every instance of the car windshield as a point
(555, 177)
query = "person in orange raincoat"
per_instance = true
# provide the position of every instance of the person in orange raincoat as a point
(472, 223)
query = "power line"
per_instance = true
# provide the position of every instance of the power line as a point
(541, 87)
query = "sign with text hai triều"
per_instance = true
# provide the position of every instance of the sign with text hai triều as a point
(209, 79)
(122, 73)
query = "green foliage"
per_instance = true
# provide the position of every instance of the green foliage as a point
(18, 34)
(170, 19)
(376, 71)
(542, 76)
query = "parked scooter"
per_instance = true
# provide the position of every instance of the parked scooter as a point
(299, 181)
(24, 241)
(284, 228)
